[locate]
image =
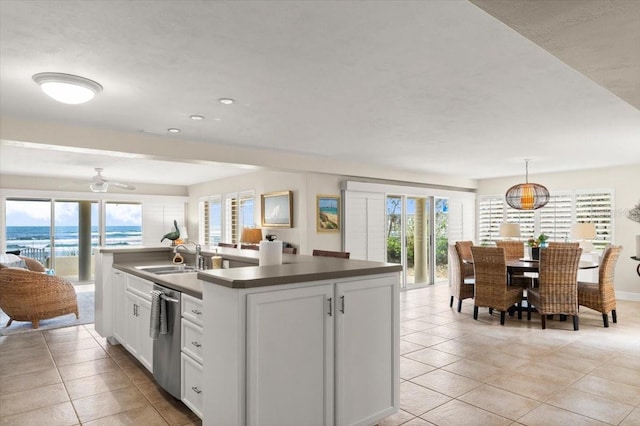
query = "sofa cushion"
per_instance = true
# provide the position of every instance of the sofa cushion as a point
(12, 261)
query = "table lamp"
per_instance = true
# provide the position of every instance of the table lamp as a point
(251, 235)
(509, 230)
(585, 233)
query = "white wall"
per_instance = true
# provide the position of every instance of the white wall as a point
(624, 182)
(305, 188)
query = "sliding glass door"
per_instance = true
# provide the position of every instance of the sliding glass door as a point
(410, 235)
(74, 238)
(63, 234)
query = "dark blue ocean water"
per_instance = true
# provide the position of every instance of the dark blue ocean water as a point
(66, 237)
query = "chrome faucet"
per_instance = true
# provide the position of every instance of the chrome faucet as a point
(199, 259)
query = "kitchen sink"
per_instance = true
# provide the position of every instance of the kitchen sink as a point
(168, 269)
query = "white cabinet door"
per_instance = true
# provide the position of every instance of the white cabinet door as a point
(137, 317)
(145, 342)
(119, 302)
(191, 384)
(366, 351)
(131, 323)
(290, 357)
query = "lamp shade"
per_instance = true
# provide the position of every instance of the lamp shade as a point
(583, 231)
(510, 230)
(527, 196)
(251, 235)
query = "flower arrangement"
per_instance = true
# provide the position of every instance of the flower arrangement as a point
(538, 242)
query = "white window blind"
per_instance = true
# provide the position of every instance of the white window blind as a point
(526, 219)
(556, 217)
(596, 207)
(214, 224)
(239, 213)
(490, 216)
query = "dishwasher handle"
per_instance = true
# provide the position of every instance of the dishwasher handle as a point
(169, 299)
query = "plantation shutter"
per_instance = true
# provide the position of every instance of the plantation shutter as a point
(596, 207)
(526, 219)
(490, 216)
(556, 218)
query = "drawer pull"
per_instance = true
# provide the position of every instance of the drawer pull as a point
(196, 390)
(196, 344)
(197, 312)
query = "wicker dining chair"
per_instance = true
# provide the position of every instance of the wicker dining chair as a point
(461, 287)
(328, 253)
(558, 244)
(290, 250)
(491, 290)
(464, 252)
(229, 245)
(515, 250)
(30, 295)
(558, 285)
(601, 296)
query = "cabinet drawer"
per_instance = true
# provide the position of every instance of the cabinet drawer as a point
(192, 309)
(139, 286)
(192, 340)
(191, 384)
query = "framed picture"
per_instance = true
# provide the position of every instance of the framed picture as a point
(277, 209)
(327, 213)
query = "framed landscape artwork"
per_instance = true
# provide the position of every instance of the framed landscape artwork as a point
(328, 213)
(277, 209)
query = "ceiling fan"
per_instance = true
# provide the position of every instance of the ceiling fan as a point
(101, 184)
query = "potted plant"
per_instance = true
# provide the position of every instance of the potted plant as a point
(535, 244)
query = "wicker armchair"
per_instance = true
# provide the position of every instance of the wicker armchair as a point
(461, 287)
(28, 295)
(558, 291)
(464, 251)
(491, 290)
(601, 296)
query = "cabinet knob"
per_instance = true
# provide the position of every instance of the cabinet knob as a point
(196, 344)
(196, 390)
(197, 312)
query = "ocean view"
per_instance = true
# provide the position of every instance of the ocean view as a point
(66, 237)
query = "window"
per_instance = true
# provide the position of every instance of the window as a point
(222, 219)
(211, 220)
(555, 219)
(597, 207)
(490, 216)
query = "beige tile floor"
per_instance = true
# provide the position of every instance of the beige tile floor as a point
(71, 376)
(457, 371)
(454, 371)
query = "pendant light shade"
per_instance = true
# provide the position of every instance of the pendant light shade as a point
(527, 196)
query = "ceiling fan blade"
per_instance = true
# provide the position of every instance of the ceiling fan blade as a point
(122, 185)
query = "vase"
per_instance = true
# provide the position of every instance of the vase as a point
(535, 253)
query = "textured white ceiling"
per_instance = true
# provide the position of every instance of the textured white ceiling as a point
(426, 87)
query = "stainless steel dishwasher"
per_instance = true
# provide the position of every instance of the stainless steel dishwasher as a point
(166, 348)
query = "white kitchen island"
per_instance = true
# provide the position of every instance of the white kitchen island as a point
(314, 341)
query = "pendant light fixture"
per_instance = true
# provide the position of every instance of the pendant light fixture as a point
(527, 196)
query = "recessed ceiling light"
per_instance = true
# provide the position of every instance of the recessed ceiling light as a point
(173, 130)
(196, 117)
(67, 88)
(226, 101)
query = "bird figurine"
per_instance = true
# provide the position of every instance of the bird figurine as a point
(173, 235)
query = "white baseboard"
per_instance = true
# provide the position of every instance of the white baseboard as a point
(627, 295)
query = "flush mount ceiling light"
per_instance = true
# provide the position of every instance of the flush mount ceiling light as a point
(67, 88)
(196, 117)
(173, 130)
(527, 196)
(226, 101)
